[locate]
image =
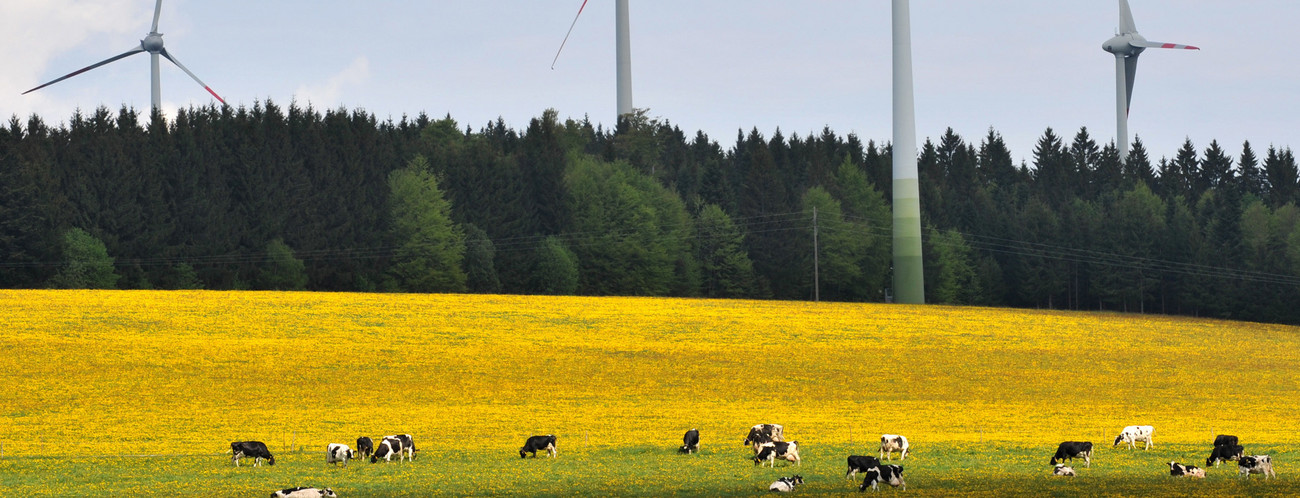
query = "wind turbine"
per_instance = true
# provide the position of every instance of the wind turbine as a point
(152, 43)
(1127, 45)
(909, 270)
(623, 49)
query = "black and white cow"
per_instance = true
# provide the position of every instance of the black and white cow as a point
(1072, 450)
(763, 433)
(1179, 470)
(408, 444)
(1225, 453)
(889, 443)
(335, 453)
(250, 449)
(1225, 440)
(888, 474)
(1255, 464)
(860, 463)
(1134, 433)
(401, 445)
(690, 442)
(539, 443)
(778, 450)
(304, 493)
(365, 446)
(786, 484)
(1062, 470)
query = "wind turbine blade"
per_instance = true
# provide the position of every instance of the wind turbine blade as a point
(169, 57)
(566, 35)
(1130, 73)
(157, 10)
(123, 55)
(1126, 25)
(1156, 44)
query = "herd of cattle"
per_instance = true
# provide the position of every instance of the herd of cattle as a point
(769, 445)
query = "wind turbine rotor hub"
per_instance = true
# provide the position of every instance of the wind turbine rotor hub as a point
(153, 43)
(1123, 45)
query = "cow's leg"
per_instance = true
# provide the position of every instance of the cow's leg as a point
(1087, 459)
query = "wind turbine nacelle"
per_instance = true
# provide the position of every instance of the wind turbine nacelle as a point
(1123, 45)
(153, 43)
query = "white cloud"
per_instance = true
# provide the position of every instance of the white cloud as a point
(329, 94)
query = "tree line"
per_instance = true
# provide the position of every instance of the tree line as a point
(272, 197)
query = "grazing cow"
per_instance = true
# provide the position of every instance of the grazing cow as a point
(690, 442)
(786, 484)
(764, 433)
(859, 463)
(889, 474)
(778, 449)
(1062, 470)
(1224, 453)
(336, 453)
(1255, 464)
(889, 443)
(538, 443)
(394, 445)
(1179, 470)
(408, 444)
(365, 446)
(304, 493)
(1225, 440)
(250, 449)
(1134, 433)
(1072, 450)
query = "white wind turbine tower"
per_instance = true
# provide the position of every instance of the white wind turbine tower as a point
(909, 272)
(152, 43)
(623, 50)
(1127, 45)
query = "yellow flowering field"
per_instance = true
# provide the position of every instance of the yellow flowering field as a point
(186, 372)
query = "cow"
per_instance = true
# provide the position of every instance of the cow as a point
(690, 442)
(859, 463)
(1072, 450)
(763, 433)
(889, 443)
(786, 484)
(1179, 470)
(538, 443)
(1225, 453)
(336, 453)
(304, 493)
(889, 474)
(1062, 470)
(250, 449)
(408, 444)
(1225, 440)
(1255, 464)
(778, 449)
(1134, 433)
(402, 446)
(365, 446)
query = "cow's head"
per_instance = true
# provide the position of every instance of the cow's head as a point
(797, 479)
(1118, 439)
(328, 493)
(270, 459)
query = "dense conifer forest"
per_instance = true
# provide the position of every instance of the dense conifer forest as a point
(269, 197)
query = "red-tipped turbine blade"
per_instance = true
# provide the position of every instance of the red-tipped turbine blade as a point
(128, 53)
(566, 35)
(1155, 44)
(169, 57)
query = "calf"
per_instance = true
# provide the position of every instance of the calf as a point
(538, 443)
(1224, 453)
(859, 463)
(1062, 470)
(690, 442)
(889, 443)
(889, 474)
(1134, 433)
(1255, 464)
(304, 493)
(365, 446)
(336, 453)
(778, 449)
(1179, 470)
(786, 484)
(1225, 440)
(762, 434)
(250, 449)
(1072, 450)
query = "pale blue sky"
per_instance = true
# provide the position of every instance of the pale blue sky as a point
(1018, 66)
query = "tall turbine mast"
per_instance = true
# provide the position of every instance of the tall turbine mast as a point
(909, 272)
(623, 54)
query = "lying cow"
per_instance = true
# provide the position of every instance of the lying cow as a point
(1072, 450)
(778, 450)
(889, 443)
(888, 474)
(304, 493)
(690, 442)
(1134, 433)
(1255, 464)
(403, 447)
(1062, 470)
(250, 449)
(763, 433)
(539, 443)
(336, 453)
(786, 484)
(365, 446)
(1179, 470)
(860, 463)
(1225, 440)
(1225, 453)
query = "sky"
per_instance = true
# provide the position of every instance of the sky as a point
(717, 66)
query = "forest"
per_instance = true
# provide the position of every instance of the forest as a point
(296, 198)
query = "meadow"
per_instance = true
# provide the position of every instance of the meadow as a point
(140, 393)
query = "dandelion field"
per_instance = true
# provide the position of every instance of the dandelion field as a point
(139, 393)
